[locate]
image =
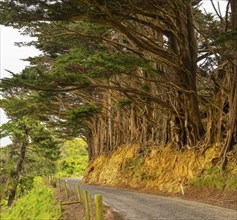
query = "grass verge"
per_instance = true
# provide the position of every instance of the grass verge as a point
(38, 204)
(214, 178)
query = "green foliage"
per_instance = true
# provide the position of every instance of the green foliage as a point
(212, 182)
(78, 64)
(124, 102)
(214, 178)
(225, 37)
(68, 69)
(74, 158)
(133, 164)
(213, 170)
(231, 183)
(39, 204)
(115, 63)
(38, 181)
(40, 141)
(85, 111)
(79, 117)
(62, 45)
(146, 176)
(145, 87)
(41, 153)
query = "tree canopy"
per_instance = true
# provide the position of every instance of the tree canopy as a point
(127, 71)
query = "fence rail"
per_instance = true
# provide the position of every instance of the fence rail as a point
(92, 207)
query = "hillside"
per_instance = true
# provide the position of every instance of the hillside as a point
(161, 170)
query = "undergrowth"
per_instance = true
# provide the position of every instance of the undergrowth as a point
(161, 169)
(38, 204)
(214, 178)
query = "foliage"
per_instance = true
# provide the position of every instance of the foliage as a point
(79, 118)
(133, 165)
(97, 59)
(41, 144)
(39, 204)
(74, 158)
(38, 181)
(33, 152)
(225, 37)
(84, 112)
(124, 102)
(214, 178)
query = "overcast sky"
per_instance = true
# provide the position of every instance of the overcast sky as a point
(11, 55)
(10, 58)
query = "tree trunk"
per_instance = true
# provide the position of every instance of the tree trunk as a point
(193, 124)
(90, 144)
(189, 119)
(231, 133)
(15, 176)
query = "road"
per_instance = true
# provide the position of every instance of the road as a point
(140, 206)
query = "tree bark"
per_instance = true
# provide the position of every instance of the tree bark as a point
(231, 133)
(189, 115)
(15, 176)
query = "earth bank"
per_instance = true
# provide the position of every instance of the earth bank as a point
(159, 170)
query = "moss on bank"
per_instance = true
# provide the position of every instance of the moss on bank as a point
(161, 169)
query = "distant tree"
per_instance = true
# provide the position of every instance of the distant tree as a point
(73, 159)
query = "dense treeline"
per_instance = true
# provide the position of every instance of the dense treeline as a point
(117, 72)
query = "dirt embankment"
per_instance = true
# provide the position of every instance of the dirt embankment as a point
(162, 170)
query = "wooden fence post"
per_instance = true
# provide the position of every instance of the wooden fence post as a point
(87, 205)
(59, 184)
(91, 205)
(79, 193)
(61, 207)
(65, 187)
(99, 215)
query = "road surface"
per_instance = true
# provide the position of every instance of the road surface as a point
(141, 206)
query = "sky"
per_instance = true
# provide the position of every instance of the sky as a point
(10, 59)
(11, 55)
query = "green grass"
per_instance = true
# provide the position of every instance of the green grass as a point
(38, 204)
(132, 165)
(214, 178)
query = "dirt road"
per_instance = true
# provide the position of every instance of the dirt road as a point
(141, 206)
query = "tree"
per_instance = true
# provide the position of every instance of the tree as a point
(151, 72)
(232, 130)
(33, 144)
(74, 158)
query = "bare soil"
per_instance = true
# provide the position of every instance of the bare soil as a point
(77, 211)
(226, 199)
